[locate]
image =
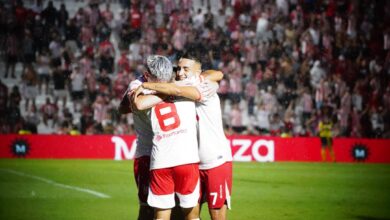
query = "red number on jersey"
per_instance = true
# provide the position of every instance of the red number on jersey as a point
(168, 119)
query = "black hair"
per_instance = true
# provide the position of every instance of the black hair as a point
(191, 54)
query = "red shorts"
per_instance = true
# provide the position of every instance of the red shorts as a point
(142, 177)
(216, 185)
(182, 180)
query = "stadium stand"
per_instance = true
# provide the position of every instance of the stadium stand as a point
(286, 62)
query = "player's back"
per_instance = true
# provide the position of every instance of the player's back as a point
(144, 133)
(214, 148)
(142, 125)
(175, 134)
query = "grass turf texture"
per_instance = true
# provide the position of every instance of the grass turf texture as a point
(260, 190)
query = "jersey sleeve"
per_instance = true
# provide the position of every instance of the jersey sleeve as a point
(136, 83)
(207, 89)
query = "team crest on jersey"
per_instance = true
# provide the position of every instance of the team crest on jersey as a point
(20, 148)
(360, 152)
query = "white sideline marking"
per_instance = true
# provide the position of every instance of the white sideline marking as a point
(97, 194)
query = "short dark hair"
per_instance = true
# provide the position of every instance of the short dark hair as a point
(192, 55)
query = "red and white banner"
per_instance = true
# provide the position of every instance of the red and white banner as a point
(244, 148)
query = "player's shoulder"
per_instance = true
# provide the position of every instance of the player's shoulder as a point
(136, 83)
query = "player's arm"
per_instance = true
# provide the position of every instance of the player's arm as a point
(142, 102)
(189, 92)
(212, 75)
(134, 100)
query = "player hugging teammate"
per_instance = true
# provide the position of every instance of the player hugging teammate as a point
(180, 138)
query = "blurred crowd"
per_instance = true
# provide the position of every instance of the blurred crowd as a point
(286, 63)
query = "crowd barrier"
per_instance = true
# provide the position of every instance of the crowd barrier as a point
(244, 148)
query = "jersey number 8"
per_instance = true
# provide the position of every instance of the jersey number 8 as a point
(167, 116)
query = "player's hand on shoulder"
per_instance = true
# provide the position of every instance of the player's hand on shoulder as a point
(207, 89)
(138, 91)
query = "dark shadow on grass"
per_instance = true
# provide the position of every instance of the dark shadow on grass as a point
(362, 217)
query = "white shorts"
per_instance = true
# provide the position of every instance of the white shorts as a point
(182, 180)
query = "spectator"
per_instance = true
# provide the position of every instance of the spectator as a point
(77, 82)
(63, 128)
(279, 44)
(198, 19)
(377, 122)
(275, 125)
(316, 74)
(91, 85)
(65, 115)
(3, 98)
(235, 88)
(104, 83)
(123, 127)
(86, 119)
(356, 128)
(106, 54)
(100, 109)
(44, 71)
(11, 54)
(49, 111)
(24, 129)
(250, 93)
(63, 17)
(262, 26)
(223, 92)
(15, 97)
(55, 50)
(307, 104)
(262, 116)
(32, 120)
(39, 33)
(28, 49)
(74, 130)
(107, 14)
(30, 82)
(60, 81)
(14, 117)
(357, 100)
(236, 125)
(289, 119)
(49, 15)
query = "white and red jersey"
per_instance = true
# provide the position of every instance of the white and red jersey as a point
(175, 135)
(142, 126)
(214, 148)
(144, 132)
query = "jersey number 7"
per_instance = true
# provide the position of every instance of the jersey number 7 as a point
(167, 116)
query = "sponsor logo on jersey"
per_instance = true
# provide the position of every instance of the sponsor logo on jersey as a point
(170, 134)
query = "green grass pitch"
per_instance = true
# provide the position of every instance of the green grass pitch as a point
(34, 189)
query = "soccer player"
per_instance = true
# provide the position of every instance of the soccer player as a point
(214, 149)
(144, 133)
(325, 132)
(174, 157)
